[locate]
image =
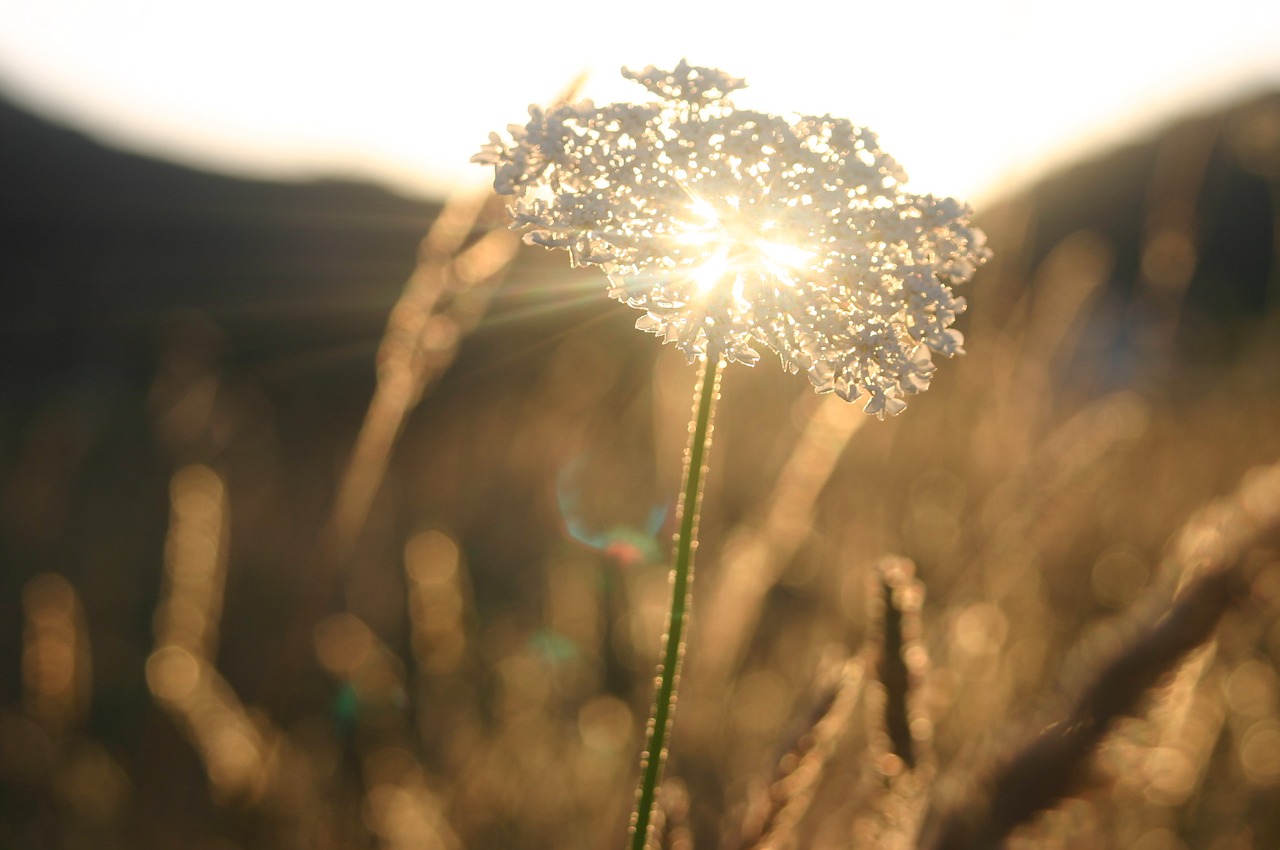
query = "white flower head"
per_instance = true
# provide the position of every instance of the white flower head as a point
(733, 229)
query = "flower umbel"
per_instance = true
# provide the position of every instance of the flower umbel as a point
(733, 229)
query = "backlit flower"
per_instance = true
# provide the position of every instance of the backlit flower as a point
(733, 229)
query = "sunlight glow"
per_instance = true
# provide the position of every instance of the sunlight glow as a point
(706, 276)
(782, 258)
(416, 92)
(739, 248)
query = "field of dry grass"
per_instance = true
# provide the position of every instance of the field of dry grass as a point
(269, 611)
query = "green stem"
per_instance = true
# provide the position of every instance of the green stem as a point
(655, 754)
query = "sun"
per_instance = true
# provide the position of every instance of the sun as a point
(738, 248)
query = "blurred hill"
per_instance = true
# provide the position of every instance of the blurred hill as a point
(1181, 230)
(95, 243)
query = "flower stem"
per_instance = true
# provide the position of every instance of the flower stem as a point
(655, 754)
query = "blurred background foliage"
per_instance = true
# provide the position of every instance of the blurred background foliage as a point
(199, 648)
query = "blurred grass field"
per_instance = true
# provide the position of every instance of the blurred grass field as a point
(205, 645)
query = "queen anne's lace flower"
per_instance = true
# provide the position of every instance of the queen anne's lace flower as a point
(733, 229)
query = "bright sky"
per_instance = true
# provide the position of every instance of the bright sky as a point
(965, 94)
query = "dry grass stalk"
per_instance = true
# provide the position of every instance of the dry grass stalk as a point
(402, 809)
(437, 602)
(445, 296)
(757, 554)
(195, 562)
(1162, 759)
(242, 751)
(900, 739)
(1019, 503)
(1214, 559)
(671, 818)
(56, 672)
(774, 822)
(889, 792)
(244, 754)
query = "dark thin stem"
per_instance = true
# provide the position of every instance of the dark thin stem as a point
(1052, 763)
(655, 754)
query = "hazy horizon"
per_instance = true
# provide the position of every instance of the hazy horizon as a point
(970, 99)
